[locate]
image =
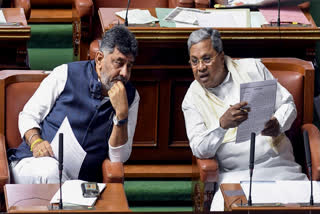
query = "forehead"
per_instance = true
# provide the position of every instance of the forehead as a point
(202, 48)
(116, 54)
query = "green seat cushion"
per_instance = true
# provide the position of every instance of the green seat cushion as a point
(50, 36)
(49, 58)
(162, 209)
(158, 191)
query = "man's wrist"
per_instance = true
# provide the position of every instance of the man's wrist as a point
(121, 116)
(119, 122)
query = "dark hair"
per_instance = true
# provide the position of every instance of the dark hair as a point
(203, 34)
(120, 37)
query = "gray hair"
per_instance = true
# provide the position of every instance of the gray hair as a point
(119, 37)
(203, 34)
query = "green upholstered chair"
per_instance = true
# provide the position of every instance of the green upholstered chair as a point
(55, 30)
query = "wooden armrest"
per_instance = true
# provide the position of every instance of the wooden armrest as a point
(185, 3)
(112, 172)
(314, 140)
(209, 170)
(84, 7)
(4, 172)
(25, 4)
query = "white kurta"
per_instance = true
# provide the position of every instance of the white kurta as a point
(234, 158)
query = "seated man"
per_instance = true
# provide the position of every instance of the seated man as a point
(100, 104)
(212, 112)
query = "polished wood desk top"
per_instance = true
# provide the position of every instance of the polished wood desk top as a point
(16, 32)
(108, 18)
(34, 198)
(238, 200)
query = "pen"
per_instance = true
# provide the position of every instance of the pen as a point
(242, 109)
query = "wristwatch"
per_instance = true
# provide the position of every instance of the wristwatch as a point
(119, 122)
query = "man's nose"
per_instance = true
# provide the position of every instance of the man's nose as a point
(201, 66)
(124, 72)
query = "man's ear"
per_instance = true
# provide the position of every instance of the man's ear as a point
(221, 55)
(98, 60)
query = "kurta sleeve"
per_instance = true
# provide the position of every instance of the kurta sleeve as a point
(204, 142)
(40, 104)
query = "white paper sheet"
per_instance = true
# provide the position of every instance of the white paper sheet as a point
(72, 194)
(137, 16)
(2, 18)
(184, 15)
(73, 153)
(225, 18)
(257, 19)
(286, 191)
(261, 98)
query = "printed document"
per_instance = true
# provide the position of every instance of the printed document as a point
(137, 16)
(285, 191)
(184, 15)
(73, 153)
(72, 194)
(261, 98)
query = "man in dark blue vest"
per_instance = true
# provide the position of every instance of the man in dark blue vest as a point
(100, 104)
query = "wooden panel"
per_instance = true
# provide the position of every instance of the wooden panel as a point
(157, 87)
(158, 171)
(13, 40)
(178, 135)
(51, 15)
(147, 125)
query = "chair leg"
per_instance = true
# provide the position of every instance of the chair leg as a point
(209, 191)
(202, 196)
(2, 203)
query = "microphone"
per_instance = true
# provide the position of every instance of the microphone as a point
(60, 167)
(211, 3)
(278, 21)
(251, 163)
(126, 19)
(309, 163)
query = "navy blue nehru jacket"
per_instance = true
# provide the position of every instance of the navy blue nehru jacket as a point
(90, 117)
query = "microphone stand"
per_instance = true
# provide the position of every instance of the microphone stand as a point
(60, 168)
(309, 163)
(126, 19)
(278, 21)
(251, 164)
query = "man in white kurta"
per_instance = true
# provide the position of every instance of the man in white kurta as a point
(212, 113)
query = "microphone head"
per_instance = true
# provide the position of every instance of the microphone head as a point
(252, 149)
(60, 148)
(126, 18)
(307, 148)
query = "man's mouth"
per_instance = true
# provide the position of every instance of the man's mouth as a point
(119, 78)
(204, 77)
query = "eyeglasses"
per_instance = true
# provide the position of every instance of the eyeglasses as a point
(205, 60)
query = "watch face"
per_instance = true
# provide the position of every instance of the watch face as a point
(115, 120)
(119, 122)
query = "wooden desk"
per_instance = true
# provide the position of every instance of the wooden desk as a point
(162, 76)
(171, 43)
(233, 203)
(13, 40)
(37, 198)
